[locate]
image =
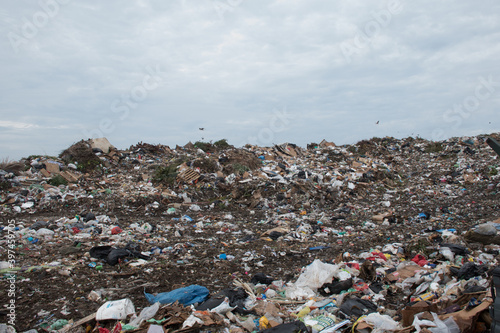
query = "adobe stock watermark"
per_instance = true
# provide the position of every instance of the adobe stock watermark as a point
(11, 274)
(455, 116)
(120, 107)
(224, 6)
(364, 37)
(31, 26)
(277, 123)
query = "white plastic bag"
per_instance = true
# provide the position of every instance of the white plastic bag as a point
(447, 326)
(223, 307)
(317, 274)
(44, 232)
(191, 320)
(155, 329)
(381, 323)
(313, 277)
(146, 313)
(295, 292)
(117, 310)
(437, 325)
(447, 253)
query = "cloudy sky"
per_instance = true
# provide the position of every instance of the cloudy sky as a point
(250, 71)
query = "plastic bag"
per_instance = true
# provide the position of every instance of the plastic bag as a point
(191, 321)
(381, 323)
(356, 307)
(44, 232)
(146, 313)
(155, 329)
(446, 326)
(117, 310)
(186, 296)
(223, 307)
(295, 292)
(437, 325)
(486, 229)
(447, 253)
(296, 326)
(317, 274)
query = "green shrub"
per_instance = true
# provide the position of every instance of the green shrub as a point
(88, 165)
(222, 144)
(351, 149)
(205, 146)
(239, 168)
(165, 174)
(58, 180)
(82, 154)
(434, 147)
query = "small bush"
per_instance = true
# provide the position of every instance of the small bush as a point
(240, 169)
(165, 174)
(205, 146)
(89, 165)
(206, 165)
(434, 147)
(351, 149)
(81, 152)
(493, 171)
(58, 180)
(222, 144)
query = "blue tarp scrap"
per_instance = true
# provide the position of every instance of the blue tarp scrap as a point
(186, 296)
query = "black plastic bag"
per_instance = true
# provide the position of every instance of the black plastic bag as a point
(261, 278)
(356, 307)
(293, 327)
(335, 288)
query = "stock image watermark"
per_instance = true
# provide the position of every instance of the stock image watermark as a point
(455, 116)
(120, 108)
(32, 25)
(277, 123)
(222, 7)
(11, 274)
(364, 37)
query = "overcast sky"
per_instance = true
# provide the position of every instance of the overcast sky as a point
(250, 71)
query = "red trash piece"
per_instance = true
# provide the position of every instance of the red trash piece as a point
(354, 265)
(75, 230)
(116, 230)
(420, 260)
(360, 285)
(379, 255)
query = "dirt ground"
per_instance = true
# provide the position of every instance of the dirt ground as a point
(43, 292)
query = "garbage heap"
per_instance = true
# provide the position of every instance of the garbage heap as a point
(386, 235)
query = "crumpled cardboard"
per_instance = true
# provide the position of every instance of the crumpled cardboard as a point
(409, 312)
(466, 319)
(404, 273)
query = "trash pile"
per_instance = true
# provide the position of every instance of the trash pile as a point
(386, 235)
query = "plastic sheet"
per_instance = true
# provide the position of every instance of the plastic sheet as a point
(186, 296)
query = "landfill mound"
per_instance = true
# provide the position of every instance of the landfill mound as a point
(386, 235)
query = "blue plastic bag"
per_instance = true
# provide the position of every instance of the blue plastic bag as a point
(186, 296)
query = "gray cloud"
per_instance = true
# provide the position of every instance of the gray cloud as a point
(228, 66)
